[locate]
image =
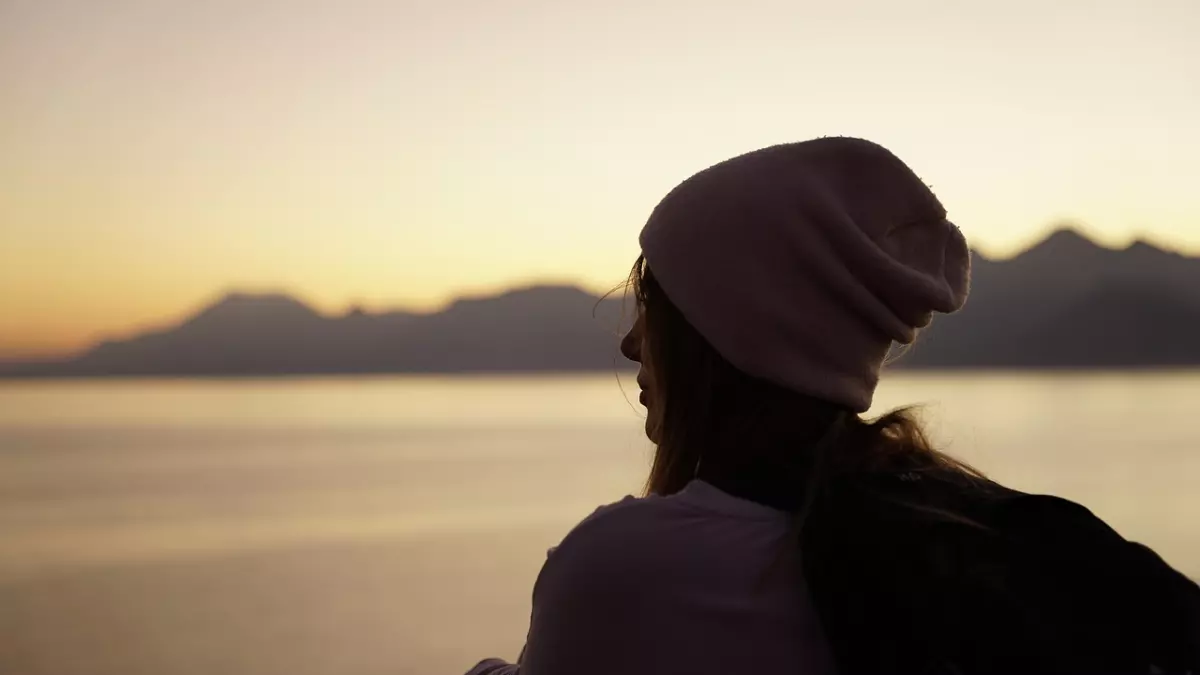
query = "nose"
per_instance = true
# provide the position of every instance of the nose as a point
(631, 345)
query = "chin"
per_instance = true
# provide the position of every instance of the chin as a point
(652, 432)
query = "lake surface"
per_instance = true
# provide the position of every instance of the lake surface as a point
(396, 525)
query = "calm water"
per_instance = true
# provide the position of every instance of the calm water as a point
(372, 526)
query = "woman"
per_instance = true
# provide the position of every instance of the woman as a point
(782, 532)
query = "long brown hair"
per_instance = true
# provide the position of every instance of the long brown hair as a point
(717, 423)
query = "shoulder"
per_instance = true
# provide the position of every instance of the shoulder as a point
(1035, 513)
(1105, 578)
(1064, 530)
(1022, 565)
(615, 537)
(605, 591)
(1061, 528)
(607, 566)
(642, 544)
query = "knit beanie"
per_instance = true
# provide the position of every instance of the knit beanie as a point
(802, 264)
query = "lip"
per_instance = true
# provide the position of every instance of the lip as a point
(642, 397)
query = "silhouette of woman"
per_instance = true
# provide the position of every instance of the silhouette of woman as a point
(781, 531)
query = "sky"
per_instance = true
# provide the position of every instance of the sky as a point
(156, 154)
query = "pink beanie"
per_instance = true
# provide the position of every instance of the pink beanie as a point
(802, 263)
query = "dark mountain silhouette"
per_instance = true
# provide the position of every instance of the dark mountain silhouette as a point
(545, 328)
(1064, 303)
(1070, 303)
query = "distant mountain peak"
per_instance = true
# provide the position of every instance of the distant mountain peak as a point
(240, 305)
(257, 299)
(1143, 247)
(538, 294)
(1063, 244)
(1068, 236)
(547, 290)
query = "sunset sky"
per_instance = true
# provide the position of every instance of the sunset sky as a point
(154, 154)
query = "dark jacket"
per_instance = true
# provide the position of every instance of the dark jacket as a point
(983, 579)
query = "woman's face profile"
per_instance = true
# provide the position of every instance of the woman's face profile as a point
(633, 347)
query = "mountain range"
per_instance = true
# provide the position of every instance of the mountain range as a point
(1069, 303)
(1064, 303)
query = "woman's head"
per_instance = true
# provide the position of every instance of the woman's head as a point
(802, 264)
(765, 309)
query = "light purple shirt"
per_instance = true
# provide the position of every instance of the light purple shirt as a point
(700, 582)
